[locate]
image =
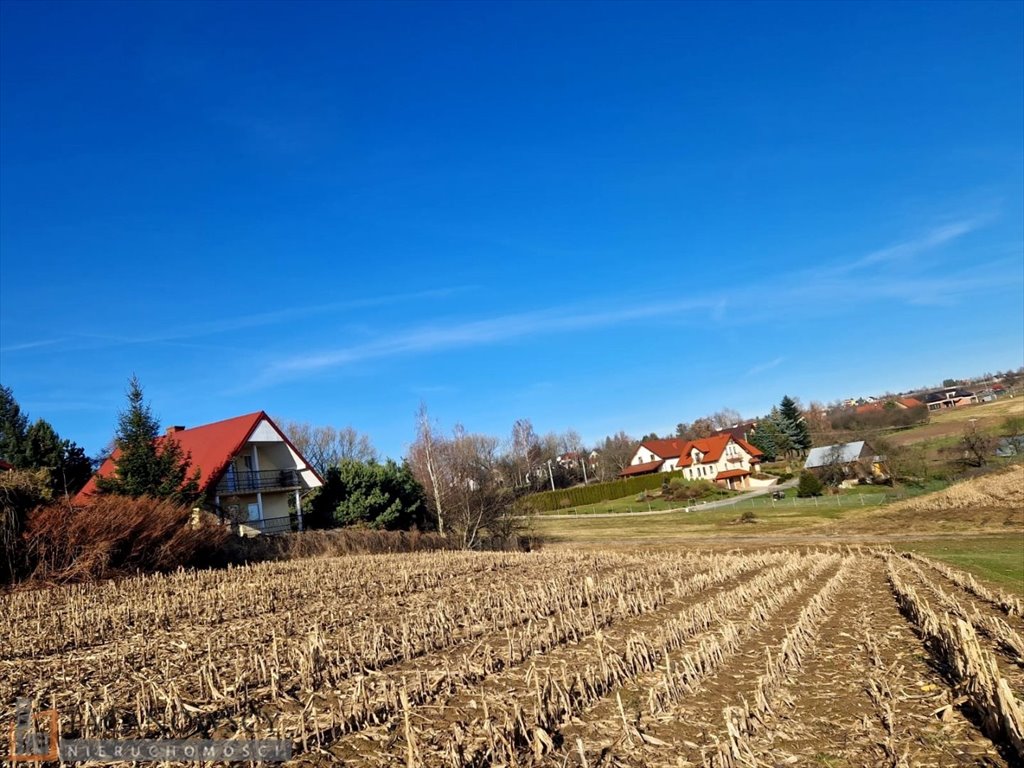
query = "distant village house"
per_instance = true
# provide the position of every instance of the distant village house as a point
(847, 464)
(951, 397)
(721, 459)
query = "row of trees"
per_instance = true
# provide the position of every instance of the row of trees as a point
(706, 426)
(783, 433)
(36, 446)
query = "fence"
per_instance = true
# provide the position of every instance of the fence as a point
(269, 527)
(840, 501)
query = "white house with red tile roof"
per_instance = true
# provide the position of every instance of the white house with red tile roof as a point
(654, 456)
(248, 471)
(722, 459)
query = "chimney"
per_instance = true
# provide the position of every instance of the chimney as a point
(172, 430)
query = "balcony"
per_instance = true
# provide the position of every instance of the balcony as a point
(251, 481)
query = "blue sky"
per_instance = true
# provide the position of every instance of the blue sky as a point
(599, 216)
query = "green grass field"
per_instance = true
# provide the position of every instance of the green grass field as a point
(636, 528)
(821, 506)
(998, 559)
(626, 505)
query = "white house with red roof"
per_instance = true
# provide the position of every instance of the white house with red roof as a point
(654, 456)
(723, 459)
(248, 471)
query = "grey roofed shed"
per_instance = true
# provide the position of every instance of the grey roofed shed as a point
(819, 457)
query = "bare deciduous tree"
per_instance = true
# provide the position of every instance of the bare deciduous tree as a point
(616, 452)
(524, 444)
(834, 471)
(817, 419)
(727, 417)
(700, 428)
(974, 447)
(463, 483)
(427, 457)
(572, 444)
(325, 446)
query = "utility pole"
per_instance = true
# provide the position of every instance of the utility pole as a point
(551, 475)
(583, 463)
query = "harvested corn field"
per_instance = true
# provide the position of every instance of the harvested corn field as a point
(741, 658)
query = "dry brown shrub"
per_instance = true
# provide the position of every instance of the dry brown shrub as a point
(117, 535)
(20, 492)
(996, 490)
(354, 541)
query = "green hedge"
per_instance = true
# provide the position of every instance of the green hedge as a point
(548, 501)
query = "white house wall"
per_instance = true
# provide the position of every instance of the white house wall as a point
(643, 455)
(710, 471)
(266, 433)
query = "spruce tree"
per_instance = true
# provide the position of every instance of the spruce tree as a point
(67, 464)
(145, 466)
(40, 447)
(783, 433)
(13, 426)
(795, 425)
(765, 439)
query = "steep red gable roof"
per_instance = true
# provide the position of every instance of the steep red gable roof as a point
(212, 446)
(910, 402)
(713, 447)
(755, 453)
(666, 449)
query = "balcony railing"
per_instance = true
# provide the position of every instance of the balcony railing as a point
(251, 481)
(270, 527)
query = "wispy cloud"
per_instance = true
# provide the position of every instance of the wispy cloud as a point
(807, 292)
(30, 345)
(435, 338)
(182, 335)
(905, 251)
(929, 241)
(762, 367)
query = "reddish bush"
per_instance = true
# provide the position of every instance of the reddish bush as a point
(116, 535)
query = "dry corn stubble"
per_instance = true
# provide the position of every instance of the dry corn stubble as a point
(481, 659)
